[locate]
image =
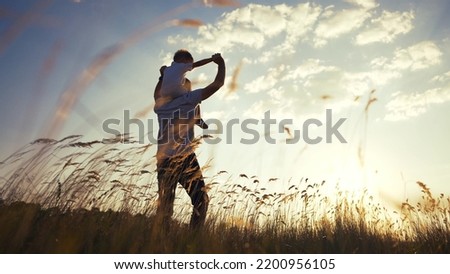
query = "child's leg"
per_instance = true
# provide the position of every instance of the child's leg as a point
(174, 92)
(198, 120)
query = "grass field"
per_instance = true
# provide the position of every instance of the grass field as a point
(69, 196)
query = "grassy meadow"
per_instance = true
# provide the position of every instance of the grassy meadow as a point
(100, 196)
(72, 196)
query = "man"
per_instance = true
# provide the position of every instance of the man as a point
(176, 159)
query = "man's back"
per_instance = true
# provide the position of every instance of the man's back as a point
(176, 121)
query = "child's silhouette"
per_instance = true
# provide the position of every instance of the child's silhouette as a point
(174, 82)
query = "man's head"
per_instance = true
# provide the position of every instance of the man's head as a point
(183, 56)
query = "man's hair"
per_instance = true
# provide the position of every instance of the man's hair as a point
(182, 54)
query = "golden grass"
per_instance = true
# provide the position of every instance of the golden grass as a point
(72, 196)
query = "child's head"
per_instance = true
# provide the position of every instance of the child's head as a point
(183, 56)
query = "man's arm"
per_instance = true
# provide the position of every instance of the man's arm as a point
(202, 62)
(157, 92)
(218, 81)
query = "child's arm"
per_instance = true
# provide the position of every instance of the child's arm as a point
(157, 93)
(202, 62)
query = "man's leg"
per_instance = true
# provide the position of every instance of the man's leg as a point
(167, 182)
(192, 181)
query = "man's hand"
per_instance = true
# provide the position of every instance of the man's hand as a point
(162, 69)
(217, 58)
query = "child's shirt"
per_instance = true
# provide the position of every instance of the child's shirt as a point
(172, 85)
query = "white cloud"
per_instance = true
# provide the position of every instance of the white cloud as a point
(257, 109)
(380, 77)
(276, 94)
(221, 115)
(166, 57)
(420, 56)
(314, 74)
(308, 68)
(301, 21)
(442, 78)
(386, 27)
(336, 84)
(334, 24)
(219, 39)
(253, 26)
(267, 81)
(268, 20)
(314, 79)
(267, 38)
(379, 62)
(300, 89)
(248, 26)
(367, 4)
(404, 106)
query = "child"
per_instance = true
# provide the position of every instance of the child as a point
(174, 82)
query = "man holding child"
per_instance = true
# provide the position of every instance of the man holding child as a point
(177, 109)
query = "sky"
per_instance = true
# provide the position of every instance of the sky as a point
(383, 66)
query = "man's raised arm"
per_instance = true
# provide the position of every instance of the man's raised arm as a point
(219, 80)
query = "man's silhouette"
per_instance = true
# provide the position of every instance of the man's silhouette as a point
(176, 159)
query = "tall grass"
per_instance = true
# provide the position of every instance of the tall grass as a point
(73, 196)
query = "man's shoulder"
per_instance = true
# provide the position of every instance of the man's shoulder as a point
(183, 103)
(195, 96)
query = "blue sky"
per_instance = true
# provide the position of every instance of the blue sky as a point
(293, 58)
